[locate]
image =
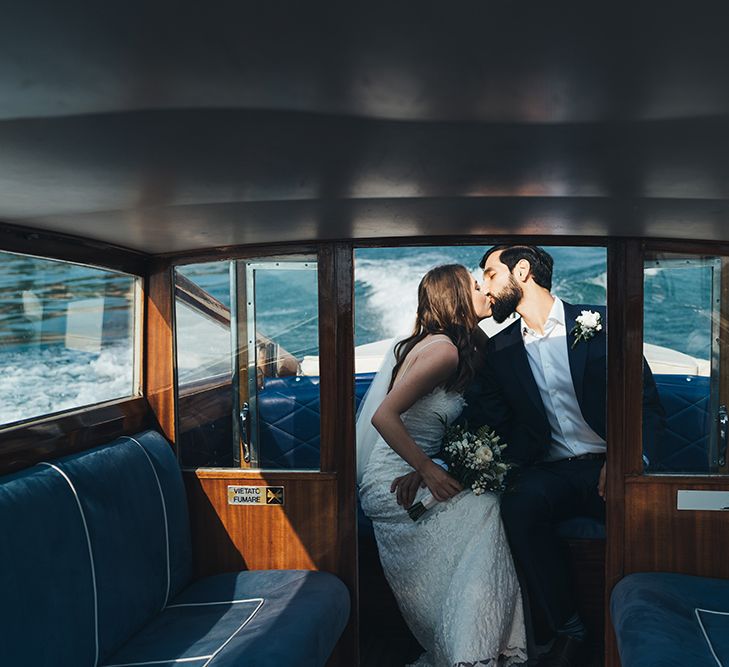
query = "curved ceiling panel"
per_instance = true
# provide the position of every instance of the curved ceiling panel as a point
(171, 126)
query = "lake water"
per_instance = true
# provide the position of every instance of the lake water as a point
(38, 379)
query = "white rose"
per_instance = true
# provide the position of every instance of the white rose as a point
(484, 455)
(589, 320)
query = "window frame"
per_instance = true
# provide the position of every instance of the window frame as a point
(137, 329)
(24, 443)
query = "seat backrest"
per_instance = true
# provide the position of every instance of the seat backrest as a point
(289, 420)
(684, 446)
(94, 544)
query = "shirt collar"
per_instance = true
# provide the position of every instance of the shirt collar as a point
(555, 318)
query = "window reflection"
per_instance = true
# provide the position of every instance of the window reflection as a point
(67, 336)
(248, 363)
(683, 339)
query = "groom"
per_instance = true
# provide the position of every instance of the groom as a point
(542, 388)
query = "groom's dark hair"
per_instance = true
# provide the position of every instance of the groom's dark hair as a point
(540, 261)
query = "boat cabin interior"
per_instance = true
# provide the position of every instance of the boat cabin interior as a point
(213, 221)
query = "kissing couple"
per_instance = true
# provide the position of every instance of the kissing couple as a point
(540, 384)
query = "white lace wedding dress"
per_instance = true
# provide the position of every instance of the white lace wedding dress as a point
(451, 572)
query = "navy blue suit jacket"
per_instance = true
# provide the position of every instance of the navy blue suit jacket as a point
(505, 396)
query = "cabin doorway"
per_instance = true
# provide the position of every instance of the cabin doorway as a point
(386, 284)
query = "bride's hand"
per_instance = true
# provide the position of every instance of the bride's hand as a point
(439, 482)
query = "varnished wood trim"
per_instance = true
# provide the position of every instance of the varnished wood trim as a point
(26, 444)
(687, 247)
(238, 252)
(65, 247)
(485, 240)
(261, 475)
(160, 368)
(201, 405)
(336, 350)
(297, 535)
(708, 481)
(202, 302)
(663, 538)
(624, 405)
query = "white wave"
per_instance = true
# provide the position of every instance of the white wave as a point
(391, 289)
(600, 280)
(37, 382)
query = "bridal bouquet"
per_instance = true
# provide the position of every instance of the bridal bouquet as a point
(474, 459)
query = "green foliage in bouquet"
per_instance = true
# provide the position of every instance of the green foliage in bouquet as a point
(475, 458)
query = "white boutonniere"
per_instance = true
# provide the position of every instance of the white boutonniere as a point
(588, 323)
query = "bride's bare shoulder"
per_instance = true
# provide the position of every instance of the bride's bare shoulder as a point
(437, 347)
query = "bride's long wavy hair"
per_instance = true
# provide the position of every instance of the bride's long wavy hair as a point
(445, 306)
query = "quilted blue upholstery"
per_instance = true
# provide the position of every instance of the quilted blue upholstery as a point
(97, 544)
(685, 443)
(288, 413)
(657, 624)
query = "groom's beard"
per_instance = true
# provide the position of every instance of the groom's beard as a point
(505, 303)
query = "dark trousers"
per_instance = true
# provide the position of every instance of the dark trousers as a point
(539, 497)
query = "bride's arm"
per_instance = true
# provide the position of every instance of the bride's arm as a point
(427, 371)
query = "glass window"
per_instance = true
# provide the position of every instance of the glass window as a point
(67, 336)
(684, 301)
(386, 290)
(248, 363)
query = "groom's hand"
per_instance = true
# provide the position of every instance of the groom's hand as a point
(406, 487)
(601, 482)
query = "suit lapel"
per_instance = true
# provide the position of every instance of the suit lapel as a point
(519, 365)
(578, 353)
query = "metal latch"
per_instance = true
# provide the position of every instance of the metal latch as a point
(245, 431)
(723, 434)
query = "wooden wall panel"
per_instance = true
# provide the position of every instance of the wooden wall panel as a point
(44, 439)
(624, 406)
(338, 452)
(660, 538)
(302, 534)
(160, 369)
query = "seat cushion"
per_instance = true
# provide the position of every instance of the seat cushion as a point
(669, 620)
(271, 617)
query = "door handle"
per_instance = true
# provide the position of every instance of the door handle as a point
(244, 420)
(723, 435)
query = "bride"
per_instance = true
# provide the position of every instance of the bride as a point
(451, 572)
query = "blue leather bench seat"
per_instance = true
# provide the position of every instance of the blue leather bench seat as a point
(667, 620)
(96, 569)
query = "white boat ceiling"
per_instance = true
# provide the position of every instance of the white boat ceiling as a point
(166, 127)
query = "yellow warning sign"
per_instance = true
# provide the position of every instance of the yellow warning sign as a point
(255, 495)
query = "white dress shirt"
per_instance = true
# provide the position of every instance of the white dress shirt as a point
(549, 361)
